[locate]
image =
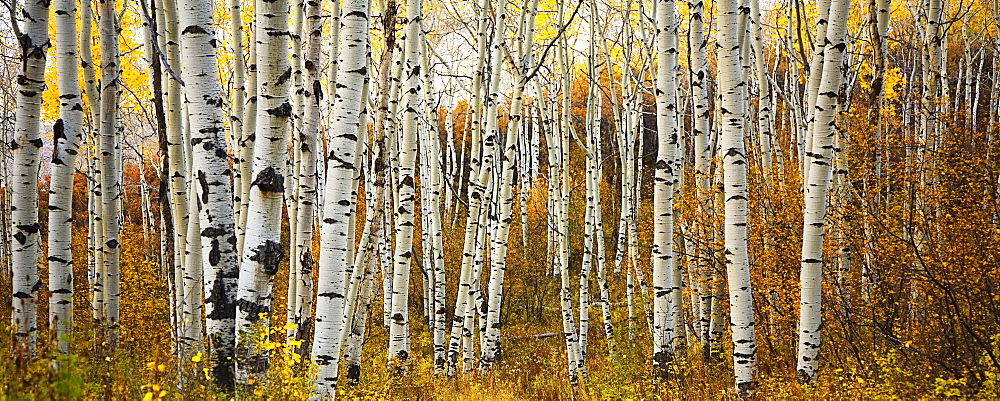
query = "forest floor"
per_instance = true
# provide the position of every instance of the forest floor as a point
(532, 368)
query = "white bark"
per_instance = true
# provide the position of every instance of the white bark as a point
(734, 166)
(335, 237)
(300, 310)
(821, 159)
(25, 248)
(110, 159)
(262, 248)
(664, 180)
(461, 324)
(67, 133)
(238, 121)
(214, 237)
(431, 205)
(812, 87)
(399, 325)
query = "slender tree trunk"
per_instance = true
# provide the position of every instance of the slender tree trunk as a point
(300, 310)
(664, 313)
(476, 187)
(34, 43)
(821, 159)
(237, 115)
(67, 135)
(110, 159)
(262, 250)
(399, 325)
(340, 170)
(734, 165)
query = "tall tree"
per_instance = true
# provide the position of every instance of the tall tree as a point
(816, 189)
(734, 167)
(300, 306)
(110, 160)
(262, 250)
(341, 157)
(67, 134)
(33, 38)
(665, 177)
(212, 183)
(399, 330)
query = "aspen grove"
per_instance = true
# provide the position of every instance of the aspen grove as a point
(491, 199)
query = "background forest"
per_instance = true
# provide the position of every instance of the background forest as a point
(480, 199)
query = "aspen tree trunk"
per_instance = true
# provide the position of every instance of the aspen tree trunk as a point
(110, 160)
(399, 348)
(664, 180)
(67, 135)
(214, 236)
(359, 290)
(176, 259)
(734, 165)
(190, 338)
(702, 174)
(821, 158)
(176, 154)
(931, 78)
(392, 202)
(237, 116)
(478, 174)
(246, 147)
(600, 259)
(357, 332)
(383, 122)
(94, 235)
(5, 267)
(95, 230)
(816, 67)
(764, 124)
(344, 134)
(573, 356)
(300, 312)
(592, 199)
(168, 259)
(474, 306)
(34, 42)
(498, 257)
(262, 250)
(292, 164)
(431, 205)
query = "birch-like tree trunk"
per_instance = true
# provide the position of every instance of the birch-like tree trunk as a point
(110, 159)
(262, 250)
(348, 105)
(399, 342)
(176, 155)
(812, 85)
(461, 326)
(213, 187)
(237, 115)
(571, 337)
(67, 133)
(821, 159)
(734, 166)
(300, 307)
(431, 176)
(665, 177)
(34, 42)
